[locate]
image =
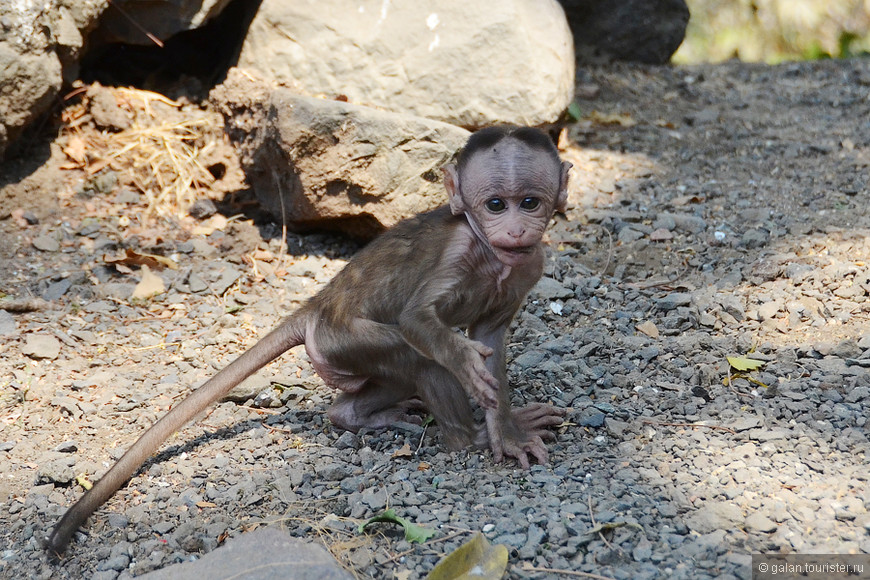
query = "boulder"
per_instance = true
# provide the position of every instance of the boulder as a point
(317, 163)
(262, 554)
(647, 31)
(470, 64)
(40, 46)
(162, 19)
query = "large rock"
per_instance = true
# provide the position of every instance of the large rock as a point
(162, 19)
(263, 554)
(466, 63)
(647, 31)
(40, 46)
(316, 163)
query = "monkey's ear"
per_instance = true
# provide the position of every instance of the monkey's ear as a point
(451, 184)
(562, 198)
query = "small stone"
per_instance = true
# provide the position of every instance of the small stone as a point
(202, 208)
(59, 470)
(769, 309)
(715, 515)
(661, 235)
(753, 239)
(46, 243)
(196, 284)
(57, 289)
(847, 349)
(8, 326)
(757, 522)
(549, 289)
(126, 195)
(39, 346)
(225, 279)
(67, 447)
(590, 417)
(674, 300)
(530, 359)
(642, 551)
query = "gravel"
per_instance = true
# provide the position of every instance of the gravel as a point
(670, 463)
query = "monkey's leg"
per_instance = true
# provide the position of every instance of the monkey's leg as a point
(376, 405)
(396, 378)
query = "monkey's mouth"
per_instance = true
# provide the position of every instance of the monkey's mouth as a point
(513, 255)
(517, 251)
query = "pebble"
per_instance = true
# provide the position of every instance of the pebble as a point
(46, 243)
(8, 326)
(757, 522)
(41, 346)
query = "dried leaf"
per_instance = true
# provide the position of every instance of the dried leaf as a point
(686, 199)
(648, 328)
(621, 119)
(741, 363)
(149, 285)
(205, 504)
(133, 258)
(413, 532)
(404, 451)
(84, 482)
(76, 149)
(476, 558)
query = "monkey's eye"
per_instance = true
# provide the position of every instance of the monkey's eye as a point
(530, 203)
(496, 205)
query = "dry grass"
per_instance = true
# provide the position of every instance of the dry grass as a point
(161, 154)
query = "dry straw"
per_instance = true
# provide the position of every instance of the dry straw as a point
(160, 154)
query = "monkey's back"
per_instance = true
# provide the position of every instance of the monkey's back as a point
(378, 280)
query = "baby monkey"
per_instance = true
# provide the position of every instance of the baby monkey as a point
(384, 330)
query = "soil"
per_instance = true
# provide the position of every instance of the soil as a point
(717, 211)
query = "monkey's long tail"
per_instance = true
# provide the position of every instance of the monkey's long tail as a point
(290, 333)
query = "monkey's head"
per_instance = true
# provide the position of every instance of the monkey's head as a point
(508, 181)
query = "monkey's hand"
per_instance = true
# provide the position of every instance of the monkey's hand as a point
(476, 378)
(523, 434)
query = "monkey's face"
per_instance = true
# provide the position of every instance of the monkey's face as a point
(509, 192)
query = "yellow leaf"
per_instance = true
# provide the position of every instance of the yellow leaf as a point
(149, 285)
(476, 558)
(741, 363)
(83, 481)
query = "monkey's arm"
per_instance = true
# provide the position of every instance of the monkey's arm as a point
(515, 433)
(423, 328)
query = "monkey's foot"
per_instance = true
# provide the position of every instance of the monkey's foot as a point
(524, 439)
(351, 413)
(537, 418)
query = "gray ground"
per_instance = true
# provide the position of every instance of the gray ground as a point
(722, 212)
